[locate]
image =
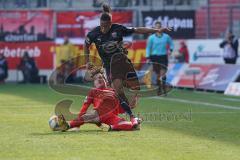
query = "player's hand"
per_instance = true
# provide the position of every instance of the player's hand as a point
(89, 66)
(168, 29)
(90, 69)
(125, 51)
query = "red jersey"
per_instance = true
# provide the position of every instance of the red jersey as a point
(104, 100)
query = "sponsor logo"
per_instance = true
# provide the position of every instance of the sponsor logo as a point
(18, 52)
(114, 34)
(176, 23)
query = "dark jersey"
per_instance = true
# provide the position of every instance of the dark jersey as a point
(110, 43)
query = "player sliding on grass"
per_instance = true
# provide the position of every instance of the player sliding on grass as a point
(108, 38)
(106, 107)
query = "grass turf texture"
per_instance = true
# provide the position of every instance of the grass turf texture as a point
(212, 133)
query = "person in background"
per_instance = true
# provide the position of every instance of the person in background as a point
(64, 73)
(3, 68)
(230, 48)
(65, 52)
(157, 52)
(64, 62)
(29, 69)
(183, 56)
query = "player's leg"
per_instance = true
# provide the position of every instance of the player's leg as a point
(157, 69)
(117, 123)
(117, 73)
(80, 120)
(117, 84)
(163, 60)
(92, 117)
(160, 64)
(122, 126)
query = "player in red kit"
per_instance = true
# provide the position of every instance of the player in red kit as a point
(106, 107)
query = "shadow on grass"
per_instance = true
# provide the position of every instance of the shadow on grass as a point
(59, 133)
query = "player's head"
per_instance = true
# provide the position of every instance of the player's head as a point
(99, 81)
(106, 19)
(158, 24)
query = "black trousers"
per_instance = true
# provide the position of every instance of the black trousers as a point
(230, 61)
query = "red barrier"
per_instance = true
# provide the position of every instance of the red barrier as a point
(26, 26)
(78, 24)
(40, 51)
(43, 52)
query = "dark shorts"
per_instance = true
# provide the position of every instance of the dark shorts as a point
(159, 63)
(122, 68)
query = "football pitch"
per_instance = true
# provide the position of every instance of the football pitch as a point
(186, 125)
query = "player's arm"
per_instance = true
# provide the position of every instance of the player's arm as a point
(87, 102)
(171, 44)
(84, 108)
(149, 47)
(86, 52)
(86, 49)
(145, 30)
(222, 44)
(126, 31)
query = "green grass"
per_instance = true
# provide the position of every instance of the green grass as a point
(213, 133)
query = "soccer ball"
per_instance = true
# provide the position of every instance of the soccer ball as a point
(53, 122)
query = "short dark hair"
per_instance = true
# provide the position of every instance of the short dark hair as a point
(158, 22)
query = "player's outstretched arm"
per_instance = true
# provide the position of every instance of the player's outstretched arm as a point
(145, 30)
(87, 53)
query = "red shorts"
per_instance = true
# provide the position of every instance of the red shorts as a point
(111, 119)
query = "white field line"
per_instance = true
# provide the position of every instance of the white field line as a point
(198, 103)
(216, 112)
(228, 98)
(232, 99)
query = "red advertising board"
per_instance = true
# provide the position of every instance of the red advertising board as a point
(19, 26)
(78, 24)
(211, 77)
(43, 52)
(40, 51)
(186, 80)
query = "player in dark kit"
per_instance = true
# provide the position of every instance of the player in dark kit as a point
(108, 38)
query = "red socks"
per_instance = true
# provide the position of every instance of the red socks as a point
(76, 122)
(122, 126)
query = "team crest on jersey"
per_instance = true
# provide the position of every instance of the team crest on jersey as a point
(114, 34)
(99, 39)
